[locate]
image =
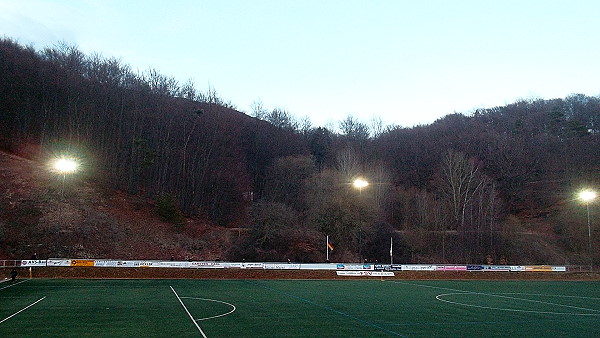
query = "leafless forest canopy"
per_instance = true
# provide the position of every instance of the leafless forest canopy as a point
(457, 190)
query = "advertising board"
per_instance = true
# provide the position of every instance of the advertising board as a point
(58, 262)
(496, 268)
(351, 266)
(82, 262)
(451, 268)
(318, 266)
(281, 266)
(33, 262)
(105, 263)
(252, 265)
(539, 268)
(418, 267)
(366, 273)
(206, 265)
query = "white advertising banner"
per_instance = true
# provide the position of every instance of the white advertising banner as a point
(366, 273)
(350, 266)
(33, 262)
(419, 267)
(318, 266)
(173, 264)
(58, 262)
(207, 265)
(281, 266)
(253, 265)
(232, 265)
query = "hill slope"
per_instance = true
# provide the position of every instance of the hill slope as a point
(38, 214)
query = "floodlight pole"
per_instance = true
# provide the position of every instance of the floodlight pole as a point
(587, 204)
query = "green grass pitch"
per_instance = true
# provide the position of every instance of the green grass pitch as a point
(298, 308)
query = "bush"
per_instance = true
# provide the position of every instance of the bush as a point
(167, 209)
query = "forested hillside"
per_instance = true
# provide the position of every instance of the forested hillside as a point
(500, 181)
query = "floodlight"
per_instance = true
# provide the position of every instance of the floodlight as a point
(360, 183)
(587, 195)
(65, 165)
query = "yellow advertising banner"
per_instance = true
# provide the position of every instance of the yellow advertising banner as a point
(538, 268)
(82, 262)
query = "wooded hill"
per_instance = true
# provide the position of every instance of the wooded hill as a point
(500, 181)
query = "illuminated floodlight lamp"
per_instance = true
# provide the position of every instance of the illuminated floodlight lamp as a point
(587, 195)
(359, 183)
(65, 165)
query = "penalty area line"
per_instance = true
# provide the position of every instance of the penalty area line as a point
(23, 309)
(188, 313)
(13, 284)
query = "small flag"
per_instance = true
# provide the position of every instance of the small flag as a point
(329, 245)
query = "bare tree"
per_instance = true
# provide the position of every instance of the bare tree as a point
(348, 163)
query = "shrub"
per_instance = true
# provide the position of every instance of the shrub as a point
(167, 209)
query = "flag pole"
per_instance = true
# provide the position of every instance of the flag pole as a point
(391, 251)
(327, 248)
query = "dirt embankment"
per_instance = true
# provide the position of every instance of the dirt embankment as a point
(174, 273)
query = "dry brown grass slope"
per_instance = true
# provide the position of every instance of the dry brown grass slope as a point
(79, 219)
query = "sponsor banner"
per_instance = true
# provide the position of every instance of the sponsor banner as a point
(496, 268)
(381, 267)
(517, 268)
(539, 268)
(58, 262)
(105, 263)
(207, 265)
(144, 264)
(418, 267)
(282, 266)
(33, 262)
(233, 265)
(136, 264)
(451, 268)
(388, 267)
(173, 264)
(322, 266)
(253, 265)
(82, 262)
(474, 267)
(559, 268)
(366, 273)
(355, 267)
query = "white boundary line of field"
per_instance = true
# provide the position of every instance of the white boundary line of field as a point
(23, 309)
(13, 284)
(457, 291)
(188, 312)
(440, 298)
(233, 308)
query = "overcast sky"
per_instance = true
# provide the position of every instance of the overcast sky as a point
(407, 62)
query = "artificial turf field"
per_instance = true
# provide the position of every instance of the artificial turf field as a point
(298, 308)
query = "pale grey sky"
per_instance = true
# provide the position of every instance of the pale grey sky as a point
(407, 62)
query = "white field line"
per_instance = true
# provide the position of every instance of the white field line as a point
(233, 308)
(440, 298)
(8, 286)
(23, 309)
(186, 310)
(464, 292)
